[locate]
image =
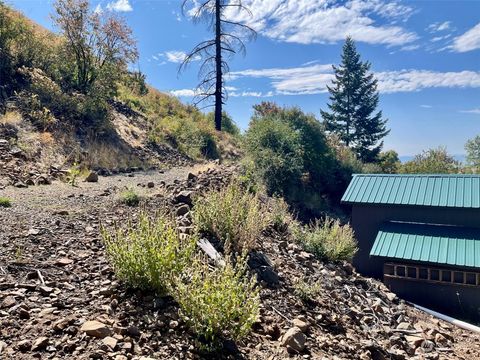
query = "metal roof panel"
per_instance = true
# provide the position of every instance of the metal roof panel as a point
(442, 244)
(460, 191)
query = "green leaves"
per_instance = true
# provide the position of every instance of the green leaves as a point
(223, 303)
(328, 240)
(149, 255)
(232, 215)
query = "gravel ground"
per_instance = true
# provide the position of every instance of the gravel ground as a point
(54, 279)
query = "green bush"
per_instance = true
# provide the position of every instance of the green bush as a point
(232, 215)
(219, 303)
(129, 197)
(432, 161)
(149, 255)
(228, 125)
(5, 202)
(307, 292)
(290, 154)
(279, 215)
(328, 240)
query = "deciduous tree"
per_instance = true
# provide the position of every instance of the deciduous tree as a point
(101, 44)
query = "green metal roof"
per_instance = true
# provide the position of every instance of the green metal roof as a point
(439, 244)
(460, 191)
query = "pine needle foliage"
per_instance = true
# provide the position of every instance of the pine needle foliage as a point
(353, 102)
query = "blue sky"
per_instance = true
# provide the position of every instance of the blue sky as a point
(425, 54)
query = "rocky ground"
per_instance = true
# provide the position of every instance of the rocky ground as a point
(59, 298)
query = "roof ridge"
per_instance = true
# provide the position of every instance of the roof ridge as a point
(419, 175)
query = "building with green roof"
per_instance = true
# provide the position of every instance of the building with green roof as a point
(421, 235)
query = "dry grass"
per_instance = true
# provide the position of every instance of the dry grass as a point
(11, 118)
(107, 155)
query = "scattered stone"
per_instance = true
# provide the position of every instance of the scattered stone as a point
(110, 342)
(40, 344)
(63, 262)
(182, 210)
(294, 340)
(24, 345)
(96, 329)
(9, 301)
(3, 346)
(301, 324)
(91, 177)
(150, 184)
(184, 197)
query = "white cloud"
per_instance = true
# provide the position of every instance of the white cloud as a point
(176, 56)
(120, 6)
(409, 47)
(426, 106)
(415, 80)
(314, 79)
(467, 41)
(325, 21)
(183, 93)
(439, 38)
(439, 26)
(98, 9)
(472, 111)
(232, 92)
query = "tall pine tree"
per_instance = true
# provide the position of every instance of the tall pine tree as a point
(353, 103)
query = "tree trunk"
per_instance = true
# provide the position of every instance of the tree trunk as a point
(218, 65)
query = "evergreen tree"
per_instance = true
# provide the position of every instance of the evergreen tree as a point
(353, 102)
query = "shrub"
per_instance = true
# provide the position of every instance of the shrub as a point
(279, 215)
(328, 240)
(432, 161)
(290, 154)
(129, 197)
(219, 303)
(307, 292)
(192, 136)
(232, 215)
(228, 125)
(72, 174)
(149, 255)
(5, 202)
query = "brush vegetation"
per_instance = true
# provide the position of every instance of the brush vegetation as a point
(219, 303)
(327, 239)
(5, 202)
(149, 255)
(232, 215)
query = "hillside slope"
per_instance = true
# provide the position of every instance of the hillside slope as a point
(48, 124)
(55, 277)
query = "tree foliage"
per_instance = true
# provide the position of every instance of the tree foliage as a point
(290, 153)
(100, 45)
(389, 162)
(472, 147)
(214, 53)
(353, 102)
(432, 161)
